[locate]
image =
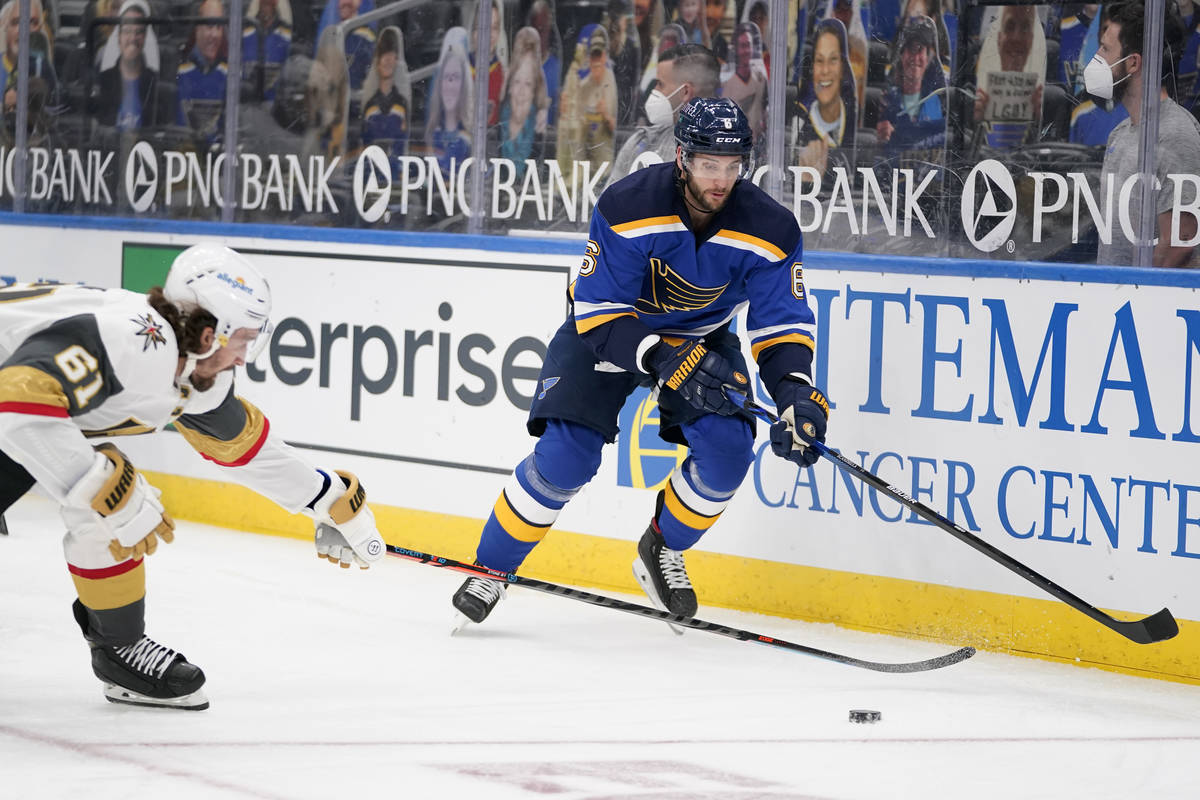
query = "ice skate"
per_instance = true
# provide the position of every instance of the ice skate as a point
(662, 576)
(475, 599)
(147, 673)
(144, 673)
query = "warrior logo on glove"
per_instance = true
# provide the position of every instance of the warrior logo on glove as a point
(697, 373)
(803, 411)
(820, 400)
(116, 496)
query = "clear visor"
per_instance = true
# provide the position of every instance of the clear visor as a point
(261, 340)
(714, 166)
(249, 343)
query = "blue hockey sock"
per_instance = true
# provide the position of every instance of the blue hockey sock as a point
(702, 486)
(689, 507)
(521, 518)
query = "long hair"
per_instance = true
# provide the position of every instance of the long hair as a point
(188, 328)
(223, 50)
(701, 24)
(453, 52)
(847, 90)
(527, 44)
(12, 8)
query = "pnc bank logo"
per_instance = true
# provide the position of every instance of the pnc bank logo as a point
(989, 205)
(372, 183)
(141, 177)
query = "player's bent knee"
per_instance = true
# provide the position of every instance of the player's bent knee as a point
(568, 454)
(722, 449)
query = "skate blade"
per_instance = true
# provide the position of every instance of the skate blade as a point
(646, 582)
(459, 623)
(196, 701)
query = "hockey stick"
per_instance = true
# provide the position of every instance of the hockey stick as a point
(1154, 628)
(961, 654)
(3, 526)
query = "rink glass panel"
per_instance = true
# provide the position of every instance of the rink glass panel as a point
(1002, 165)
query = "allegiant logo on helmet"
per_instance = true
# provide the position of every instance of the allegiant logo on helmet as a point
(236, 283)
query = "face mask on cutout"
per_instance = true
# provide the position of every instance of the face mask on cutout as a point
(659, 110)
(1098, 81)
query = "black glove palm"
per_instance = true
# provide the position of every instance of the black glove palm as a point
(697, 373)
(803, 411)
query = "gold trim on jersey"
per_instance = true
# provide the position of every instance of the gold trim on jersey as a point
(17, 293)
(111, 591)
(799, 338)
(588, 323)
(233, 450)
(130, 426)
(25, 384)
(641, 227)
(670, 292)
(744, 241)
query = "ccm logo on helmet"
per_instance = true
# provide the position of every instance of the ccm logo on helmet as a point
(730, 139)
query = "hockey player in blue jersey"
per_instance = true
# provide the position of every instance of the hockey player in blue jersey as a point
(675, 251)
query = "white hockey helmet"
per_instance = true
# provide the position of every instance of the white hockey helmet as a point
(224, 283)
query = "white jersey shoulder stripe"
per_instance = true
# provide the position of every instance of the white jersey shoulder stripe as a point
(752, 244)
(762, 333)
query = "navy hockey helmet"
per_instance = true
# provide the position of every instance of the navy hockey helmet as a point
(714, 126)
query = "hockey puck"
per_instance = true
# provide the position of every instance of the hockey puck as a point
(863, 715)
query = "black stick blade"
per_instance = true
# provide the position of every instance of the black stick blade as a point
(961, 654)
(949, 659)
(1157, 627)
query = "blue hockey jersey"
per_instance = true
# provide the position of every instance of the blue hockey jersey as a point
(200, 98)
(646, 272)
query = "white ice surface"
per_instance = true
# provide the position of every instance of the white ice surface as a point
(332, 683)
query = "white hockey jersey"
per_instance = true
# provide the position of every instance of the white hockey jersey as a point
(78, 362)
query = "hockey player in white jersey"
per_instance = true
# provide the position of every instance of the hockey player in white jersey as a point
(675, 251)
(79, 364)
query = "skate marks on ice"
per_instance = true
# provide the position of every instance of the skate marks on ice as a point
(329, 683)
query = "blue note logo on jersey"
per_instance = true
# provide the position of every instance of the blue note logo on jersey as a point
(670, 292)
(644, 461)
(547, 385)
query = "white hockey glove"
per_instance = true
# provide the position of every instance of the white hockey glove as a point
(116, 498)
(346, 531)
